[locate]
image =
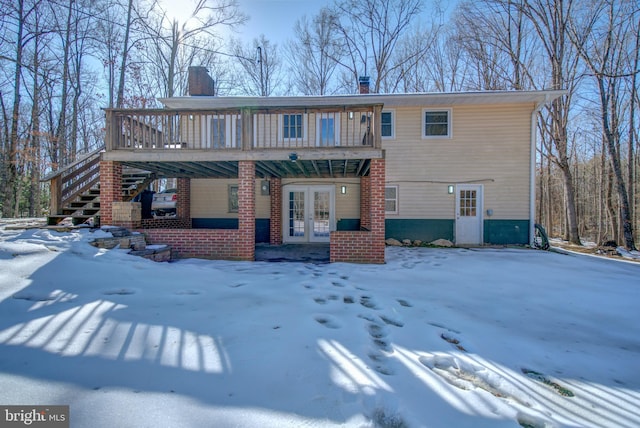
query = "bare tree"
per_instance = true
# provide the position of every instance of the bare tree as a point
(260, 67)
(604, 51)
(312, 54)
(20, 13)
(172, 45)
(550, 20)
(371, 32)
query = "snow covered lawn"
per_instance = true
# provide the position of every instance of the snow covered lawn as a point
(434, 338)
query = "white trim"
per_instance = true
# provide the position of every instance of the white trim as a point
(308, 211)
(389, 100)
(532, 168)
(393, 124)
(449, 123)
(230, 122)
(479, 211)
(304, 124)
(397, 199)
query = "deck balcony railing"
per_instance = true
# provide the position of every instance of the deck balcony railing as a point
(243, 129)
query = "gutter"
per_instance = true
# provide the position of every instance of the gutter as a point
(532, 167)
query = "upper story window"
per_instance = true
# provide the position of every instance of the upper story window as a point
(387, 123)
(328, 129)
(292, 127)
(222, 131)
(436, 123)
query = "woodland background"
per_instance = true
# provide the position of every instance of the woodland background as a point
(63, 61)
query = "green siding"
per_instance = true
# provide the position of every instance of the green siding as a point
(426, 230)
(348, 224)
(499, 232)
(262, 225)
(502, 232)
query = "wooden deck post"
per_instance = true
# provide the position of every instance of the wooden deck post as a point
(55, 205)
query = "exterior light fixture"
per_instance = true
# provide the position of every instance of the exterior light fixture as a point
(293, 157)
(343, 190)
(450, 189)
(264, 188)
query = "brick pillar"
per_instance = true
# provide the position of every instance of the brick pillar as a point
(247, 210)
(365, 203)
(183, 206)
(275, 221)
(377, 177)
(110, 189)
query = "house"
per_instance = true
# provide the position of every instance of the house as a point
(349, 170)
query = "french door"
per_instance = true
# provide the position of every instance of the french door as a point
(308, 213)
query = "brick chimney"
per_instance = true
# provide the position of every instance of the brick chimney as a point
(200, 83)
(363, 84)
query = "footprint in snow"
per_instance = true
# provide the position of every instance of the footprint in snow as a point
(238, 284)
(367, 302)
(187, 292)
(443, 326)
(391, 321)
(454, 341)
(119, 291)
(404, 303)
(376, 331)
(327, 321)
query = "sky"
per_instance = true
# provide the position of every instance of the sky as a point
(273, 18)
(433, 338)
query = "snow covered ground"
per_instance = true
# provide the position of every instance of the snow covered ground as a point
(434, 338)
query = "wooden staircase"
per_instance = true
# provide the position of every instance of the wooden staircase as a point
(75, 189)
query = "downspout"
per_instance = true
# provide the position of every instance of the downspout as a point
(532, 169)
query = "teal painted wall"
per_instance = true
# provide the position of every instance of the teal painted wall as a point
(262, 226)
(502, 232)
(424, 230)
(499, 232)
(348, 224)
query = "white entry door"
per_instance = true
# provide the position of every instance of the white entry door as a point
(308, 213)
(469, 214)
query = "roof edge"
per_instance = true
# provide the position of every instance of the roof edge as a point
(389, 100)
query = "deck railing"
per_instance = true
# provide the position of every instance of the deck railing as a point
(242, 129)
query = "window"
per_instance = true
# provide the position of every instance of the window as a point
(387, 124)
(436, 123)
(328, 129)
(391, 199)
(233, 198)
(222, 131)
(218, 132)
(292, 126)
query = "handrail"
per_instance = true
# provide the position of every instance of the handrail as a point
(251, 128)
(65, 168)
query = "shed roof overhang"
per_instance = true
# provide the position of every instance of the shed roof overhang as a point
(388, 100)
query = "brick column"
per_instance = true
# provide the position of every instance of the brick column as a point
(377, 177)
(365, 203)
(110, 189)
(275, 218)
(246, 210)
(183, 205)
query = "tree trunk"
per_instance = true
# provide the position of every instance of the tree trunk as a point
(34, 162)
(125, 54)
(11, 156)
